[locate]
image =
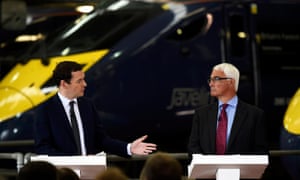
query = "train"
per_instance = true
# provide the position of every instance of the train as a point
(289, 137)
(147, 65)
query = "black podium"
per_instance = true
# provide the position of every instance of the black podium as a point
(86, 167)
(227, 167)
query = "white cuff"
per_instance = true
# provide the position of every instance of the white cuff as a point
(128, 149)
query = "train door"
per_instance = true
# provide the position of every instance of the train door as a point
(238, 43)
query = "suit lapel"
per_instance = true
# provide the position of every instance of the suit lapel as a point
(240, 116)
(63, 120)
(212, 116)
(82, 105)
(82, 111)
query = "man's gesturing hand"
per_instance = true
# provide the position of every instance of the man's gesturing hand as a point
(138, 147)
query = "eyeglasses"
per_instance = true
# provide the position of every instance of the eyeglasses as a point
(217, 78)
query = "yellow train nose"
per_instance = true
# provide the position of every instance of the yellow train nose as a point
(24, 86)
(12, 102)
(291, 120)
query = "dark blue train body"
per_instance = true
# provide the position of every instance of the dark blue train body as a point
(157, 61)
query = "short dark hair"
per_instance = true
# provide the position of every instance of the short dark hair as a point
(38, 170)
(112, 173)
(66, 173)
(63, 71)
(161, 166)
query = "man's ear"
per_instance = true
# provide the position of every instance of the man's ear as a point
(62, 83)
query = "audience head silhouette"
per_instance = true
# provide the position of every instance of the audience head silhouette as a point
(112, 173)
(37, 170)
(65, 173)
(161, 166)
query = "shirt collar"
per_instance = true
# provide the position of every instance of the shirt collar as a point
(232, 102)
(65, 100)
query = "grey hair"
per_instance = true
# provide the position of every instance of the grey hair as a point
(230, 71)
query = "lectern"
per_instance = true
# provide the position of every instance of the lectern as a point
(86, 167)
(227, 167)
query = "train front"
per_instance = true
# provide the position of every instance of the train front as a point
(290, 137)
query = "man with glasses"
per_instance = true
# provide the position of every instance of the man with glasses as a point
(244, 127)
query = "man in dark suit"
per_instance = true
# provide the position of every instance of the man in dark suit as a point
(54, 133)
(245, 130)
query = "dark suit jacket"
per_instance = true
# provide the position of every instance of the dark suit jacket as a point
(53, 133)
(248, 133)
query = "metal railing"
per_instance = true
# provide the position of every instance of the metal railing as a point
(23, 158)
(19, 159)
(19, 143)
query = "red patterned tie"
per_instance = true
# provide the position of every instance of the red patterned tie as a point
(221, 131)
